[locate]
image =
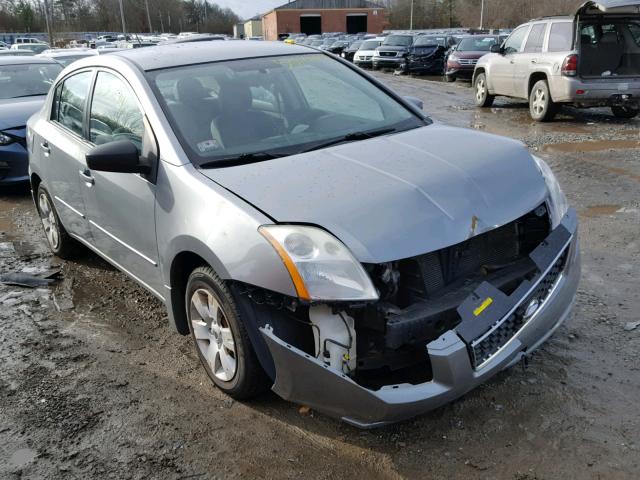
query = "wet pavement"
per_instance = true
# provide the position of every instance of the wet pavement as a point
(94, 384)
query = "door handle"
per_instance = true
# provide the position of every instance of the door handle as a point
(534, 61)
(86, 176)
(512, 62)
(45, 148)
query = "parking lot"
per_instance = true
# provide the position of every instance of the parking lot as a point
(95, 384)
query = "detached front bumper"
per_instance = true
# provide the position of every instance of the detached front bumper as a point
(304, 379)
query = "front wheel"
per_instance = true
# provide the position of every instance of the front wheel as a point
(625, 112)
(483, 98)
(220, 337)
(541, 107)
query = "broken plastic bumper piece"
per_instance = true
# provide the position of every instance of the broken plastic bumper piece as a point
(496, 331)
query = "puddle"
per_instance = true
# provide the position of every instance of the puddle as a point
(600, 210)
(21, 458)
(591, 146)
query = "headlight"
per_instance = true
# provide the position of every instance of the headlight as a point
(6, 139)
(321, 267)
(558, 204)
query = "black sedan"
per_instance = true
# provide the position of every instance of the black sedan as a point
(351, 50)
(24, 84)
(428, 55)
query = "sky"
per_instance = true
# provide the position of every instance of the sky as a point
(248, 8)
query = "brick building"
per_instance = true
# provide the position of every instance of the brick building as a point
(321, 16)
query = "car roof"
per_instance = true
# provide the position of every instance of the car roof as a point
(166, 56)
(18, 60)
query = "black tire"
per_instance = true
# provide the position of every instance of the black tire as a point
(483, 98)
(248, 379)
(541, 107)
(449, 79)
(625, 112)
(59, 241)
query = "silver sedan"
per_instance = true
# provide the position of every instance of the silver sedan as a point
(312, 231)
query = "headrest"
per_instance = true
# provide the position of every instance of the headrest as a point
(234, 98)
(190, 90)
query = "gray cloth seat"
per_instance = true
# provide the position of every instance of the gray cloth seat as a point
(194, 110)
(239, 124)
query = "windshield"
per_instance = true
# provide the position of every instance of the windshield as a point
(476, 44)
(398, 40)
(354, 46)
(68, 59)
(430, 42)
(27, 80)
(277, 106)
(369, 45)
(34, 47)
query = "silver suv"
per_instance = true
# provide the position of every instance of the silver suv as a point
(591, 59)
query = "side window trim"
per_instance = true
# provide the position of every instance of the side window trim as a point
(58, 88)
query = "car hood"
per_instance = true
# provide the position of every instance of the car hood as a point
(469, 54)
(396, 196)
(391, 48)
(14, 112)
(424, 50)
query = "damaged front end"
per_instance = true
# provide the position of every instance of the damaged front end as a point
(445, 322)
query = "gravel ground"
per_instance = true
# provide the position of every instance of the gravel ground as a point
(94, 384)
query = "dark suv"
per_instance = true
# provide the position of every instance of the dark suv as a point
(392, 52)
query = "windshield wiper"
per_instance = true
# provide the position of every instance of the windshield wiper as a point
(351, 137)
(30, 95)
(242, 159)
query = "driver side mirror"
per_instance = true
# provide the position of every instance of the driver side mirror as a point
(121, 156)
(495, 48)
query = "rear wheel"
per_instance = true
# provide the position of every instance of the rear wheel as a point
(60, 243)
(220, 337)
(625, 112)
(541, 107)
(482, 97)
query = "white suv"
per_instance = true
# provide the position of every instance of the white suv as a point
(591, 59)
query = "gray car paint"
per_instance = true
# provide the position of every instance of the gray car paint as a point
(423, 200)
(418, 199)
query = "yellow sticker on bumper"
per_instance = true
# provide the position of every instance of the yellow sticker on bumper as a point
(483, 306)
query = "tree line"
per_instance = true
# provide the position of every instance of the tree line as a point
(104, 16)
(466, 13)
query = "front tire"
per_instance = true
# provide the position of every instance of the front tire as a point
(625, 112)
(220, 337)
(482, 97)
(59, 241)
(541, 107)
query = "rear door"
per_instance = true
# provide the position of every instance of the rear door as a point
(62, 146)
(503, 65)
(531, 59)
(121, 206)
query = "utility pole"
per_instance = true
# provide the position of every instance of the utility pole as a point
(482, 15)
(48, 22)
(411, 17)
(450, 13)
(124, 25)
(146, 4)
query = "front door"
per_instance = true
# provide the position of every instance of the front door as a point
(529, 60)
(503, 66)
(121, 206)
(62, 146)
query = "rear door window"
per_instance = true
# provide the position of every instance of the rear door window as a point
(560, 37)
(70, 100)
(536, 38)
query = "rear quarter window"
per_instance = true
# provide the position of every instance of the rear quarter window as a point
(560, 37)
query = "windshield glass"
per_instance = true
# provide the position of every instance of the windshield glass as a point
(369, 45)
(398, 40)
(354, 46)
(27, 80)
(476, 44)
(68, 59)
(277, 105)
(430, 42)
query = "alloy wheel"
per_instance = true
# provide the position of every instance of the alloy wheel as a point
(539, 101)
(213, 334)
(49, 221)
(480, 90)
